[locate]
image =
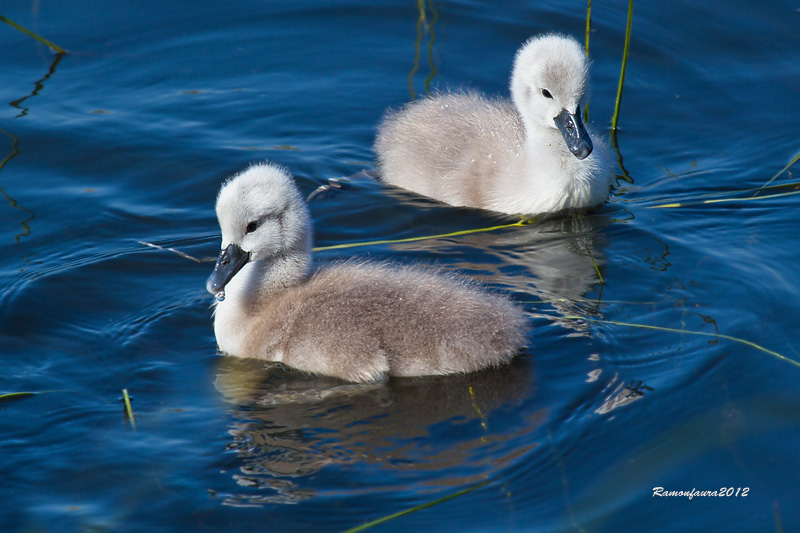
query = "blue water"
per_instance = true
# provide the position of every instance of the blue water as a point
(126, 140)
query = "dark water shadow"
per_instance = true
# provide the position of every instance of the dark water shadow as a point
(37, 87)
(26, 229)
(288, 425)
(23, 111)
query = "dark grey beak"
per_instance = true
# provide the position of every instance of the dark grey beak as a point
(230, 261)
(575, 134)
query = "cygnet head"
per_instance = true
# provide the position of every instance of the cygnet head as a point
(264, 220)
(548, 85)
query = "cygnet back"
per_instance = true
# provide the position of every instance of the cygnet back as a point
(529, 155)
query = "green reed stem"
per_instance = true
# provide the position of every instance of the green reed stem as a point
(784, 169)
(15, 396)
(596, 268)
(37, 37)
(689, 332)
(624, 65)
(523, 222)
(128, 409)
(588, 27)
(774, 191)
(413, 509)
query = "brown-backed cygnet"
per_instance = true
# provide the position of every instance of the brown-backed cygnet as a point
(532, 156)
(358, 321)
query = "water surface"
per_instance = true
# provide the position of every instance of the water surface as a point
(126, 140)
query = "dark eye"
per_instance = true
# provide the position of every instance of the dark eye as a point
(546, 93)
(251, 227)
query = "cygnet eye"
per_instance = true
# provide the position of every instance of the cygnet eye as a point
(546, 93)
(251, 227)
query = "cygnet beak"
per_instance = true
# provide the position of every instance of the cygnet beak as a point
(574, 133)
(230, 261)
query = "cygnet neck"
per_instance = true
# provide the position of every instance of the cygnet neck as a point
(548, 169)
(260, 280)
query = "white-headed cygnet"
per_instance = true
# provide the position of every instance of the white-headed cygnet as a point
(359, 321)
(531, 155)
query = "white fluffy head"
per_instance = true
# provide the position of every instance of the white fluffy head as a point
(261, 211)
(550, 74)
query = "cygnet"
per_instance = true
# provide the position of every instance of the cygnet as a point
(531, 155)
(359, 321)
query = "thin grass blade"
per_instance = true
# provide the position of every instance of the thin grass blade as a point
(128, 409)
(690, 332)
(414, 509)
(784, 169)
(39, 38)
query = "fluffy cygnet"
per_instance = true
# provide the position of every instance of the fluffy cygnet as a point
(531, 155)
(358, 321)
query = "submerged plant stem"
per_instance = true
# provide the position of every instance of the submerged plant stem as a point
(182, 254)
(432, 41)
(37, 37)
(689, 332)
(417, 43)
(596, 268)
(422, 24)
(413, 509)
(523, 222)
(784, 169)
(776, 191)
(15, 396)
